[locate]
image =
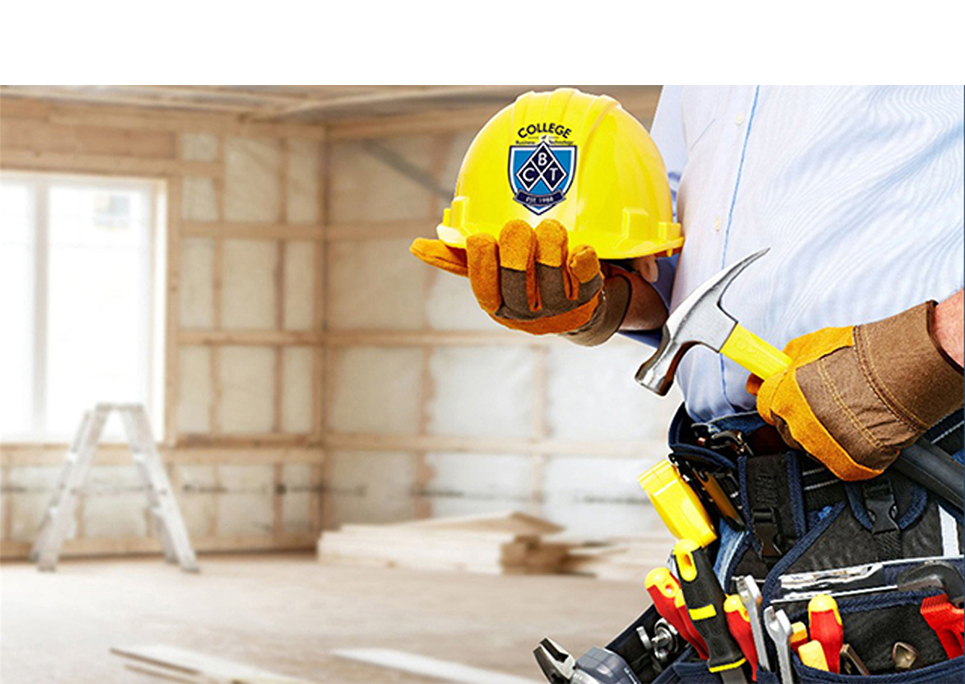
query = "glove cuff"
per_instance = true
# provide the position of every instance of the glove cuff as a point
(609, 315)
(907, 368)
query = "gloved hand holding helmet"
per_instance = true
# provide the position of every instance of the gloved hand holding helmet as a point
(588, 173)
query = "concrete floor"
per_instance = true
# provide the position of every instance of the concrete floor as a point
(286, 613)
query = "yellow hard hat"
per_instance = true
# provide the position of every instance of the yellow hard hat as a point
(576, 158)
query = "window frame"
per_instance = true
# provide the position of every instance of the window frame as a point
(152, 323)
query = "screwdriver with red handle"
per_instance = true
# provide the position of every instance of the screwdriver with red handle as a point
(825, 627)
(664, 590)
(739, 623)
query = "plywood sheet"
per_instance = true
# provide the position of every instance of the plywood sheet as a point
(199, 201)
(598, 497)
(482, 391)
(197, 283)
(376, 390)
(363, 188)
(197, 496)
(303, 182)
(247, 376)
(297, 405)
(451, 305)
(592, 395)
(248, 290)
(117, 505)
(470, 484)
(247, 504)
(202, 147)
(299, 285)
(376, 284)
(252, 177)
(194, 399)
(371, 487)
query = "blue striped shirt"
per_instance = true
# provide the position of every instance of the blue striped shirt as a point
(857, 191)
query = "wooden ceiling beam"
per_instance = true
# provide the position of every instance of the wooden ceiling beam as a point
(105, 98)
(423, 95)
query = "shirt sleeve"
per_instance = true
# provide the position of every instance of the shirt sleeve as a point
(667, 132)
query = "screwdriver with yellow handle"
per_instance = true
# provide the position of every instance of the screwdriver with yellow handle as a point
(705, 605)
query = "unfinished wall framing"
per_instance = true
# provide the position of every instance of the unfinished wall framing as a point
(316, 373)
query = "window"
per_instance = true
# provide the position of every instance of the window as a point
(78, 285)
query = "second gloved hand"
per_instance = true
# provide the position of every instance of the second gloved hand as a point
(531, 280)
(854, 396)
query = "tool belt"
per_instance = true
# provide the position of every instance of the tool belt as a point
(778, 511)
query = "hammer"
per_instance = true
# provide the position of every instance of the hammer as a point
(699, 319)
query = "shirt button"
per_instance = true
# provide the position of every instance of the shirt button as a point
(717, 224)
(739, 119)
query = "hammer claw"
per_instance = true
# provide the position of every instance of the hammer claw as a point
(699, 319)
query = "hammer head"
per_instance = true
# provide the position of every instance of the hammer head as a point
(699, 319)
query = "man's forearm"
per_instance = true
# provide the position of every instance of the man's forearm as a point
(949, 327)
(646, 310)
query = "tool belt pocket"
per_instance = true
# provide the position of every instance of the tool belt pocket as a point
(871, 627)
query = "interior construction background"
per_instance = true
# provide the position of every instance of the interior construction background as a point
(316, 373)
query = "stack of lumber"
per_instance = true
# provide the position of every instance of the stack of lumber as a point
(624, 560)
(498, 544)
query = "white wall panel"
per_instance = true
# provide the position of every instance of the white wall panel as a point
(371, 487)
(252, 176)
(247, 376)
(198, 199)
(451, 305)
(376, 390)
(299, 285)
(302, 181)
(197, 283)
(363, 188)
(202, 147)
(376, 284)
(297, 502)
(598, 497)
(297, 406)
(117, 506)
(592, 395)
(247, 504)
(194, 400)
(30, 488)
(457, 150)
(471, 484)
(198, 497)
(248, 290)
(482, 391)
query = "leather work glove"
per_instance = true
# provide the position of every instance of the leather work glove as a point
(854, 397)
(531, 280)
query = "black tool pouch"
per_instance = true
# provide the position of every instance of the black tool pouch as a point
(798, 517)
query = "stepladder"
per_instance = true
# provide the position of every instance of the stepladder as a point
(61, 510)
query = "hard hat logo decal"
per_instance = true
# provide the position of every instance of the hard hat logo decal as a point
(541, 174)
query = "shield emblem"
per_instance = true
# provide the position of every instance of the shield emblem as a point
(541, 174)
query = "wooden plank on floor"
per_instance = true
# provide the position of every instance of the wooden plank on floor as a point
(444, 670)
(179, 661)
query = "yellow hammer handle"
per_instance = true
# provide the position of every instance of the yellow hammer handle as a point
(750, 351)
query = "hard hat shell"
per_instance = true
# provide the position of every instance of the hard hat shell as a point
(576, 158)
